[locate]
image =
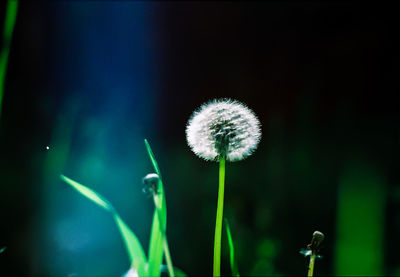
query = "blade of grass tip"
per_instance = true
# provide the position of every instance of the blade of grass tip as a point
(234, 267)
(134, 248)
(10, 17)
(152, 158)
(159, 200)
(158, 239)
(94, 196)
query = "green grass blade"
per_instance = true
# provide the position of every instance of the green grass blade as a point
(135, 251)
(234, 267)
(92, 195)
(160, 199)
(152, 158)
(158, 240)
(10, 17)
(133, 246)
(156, 248)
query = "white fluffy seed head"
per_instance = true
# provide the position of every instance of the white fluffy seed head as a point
(223, 128)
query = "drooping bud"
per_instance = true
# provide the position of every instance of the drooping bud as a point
(150, 182)
(316, 240)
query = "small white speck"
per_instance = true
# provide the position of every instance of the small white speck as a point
(47, 147)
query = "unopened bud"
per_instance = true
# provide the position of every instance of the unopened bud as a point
(318, 236)
(150, 182)
(316, 240)
(151, 179)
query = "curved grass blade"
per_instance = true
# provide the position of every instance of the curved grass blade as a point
(92, 195)
(132, 244)
(234, 267)
(158, 239)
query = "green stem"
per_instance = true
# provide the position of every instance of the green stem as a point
(311, 266)
(168, 257)
(218, 224)
(164, 238)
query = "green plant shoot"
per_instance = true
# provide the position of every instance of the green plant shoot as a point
(158, 239)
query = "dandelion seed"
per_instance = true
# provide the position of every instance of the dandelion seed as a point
(223, 128)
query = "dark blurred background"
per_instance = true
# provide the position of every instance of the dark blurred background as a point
(88, 81)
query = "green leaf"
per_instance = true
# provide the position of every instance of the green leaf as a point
(135, 251)
(156, 247)
(152, 158)
(92, 195)
(157, 244)
(133, 246)
(234, 268)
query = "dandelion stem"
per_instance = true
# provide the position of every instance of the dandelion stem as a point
(311, 265)
(218, 224)
(168, 257)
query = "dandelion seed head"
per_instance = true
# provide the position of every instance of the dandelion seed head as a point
(223, 127)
